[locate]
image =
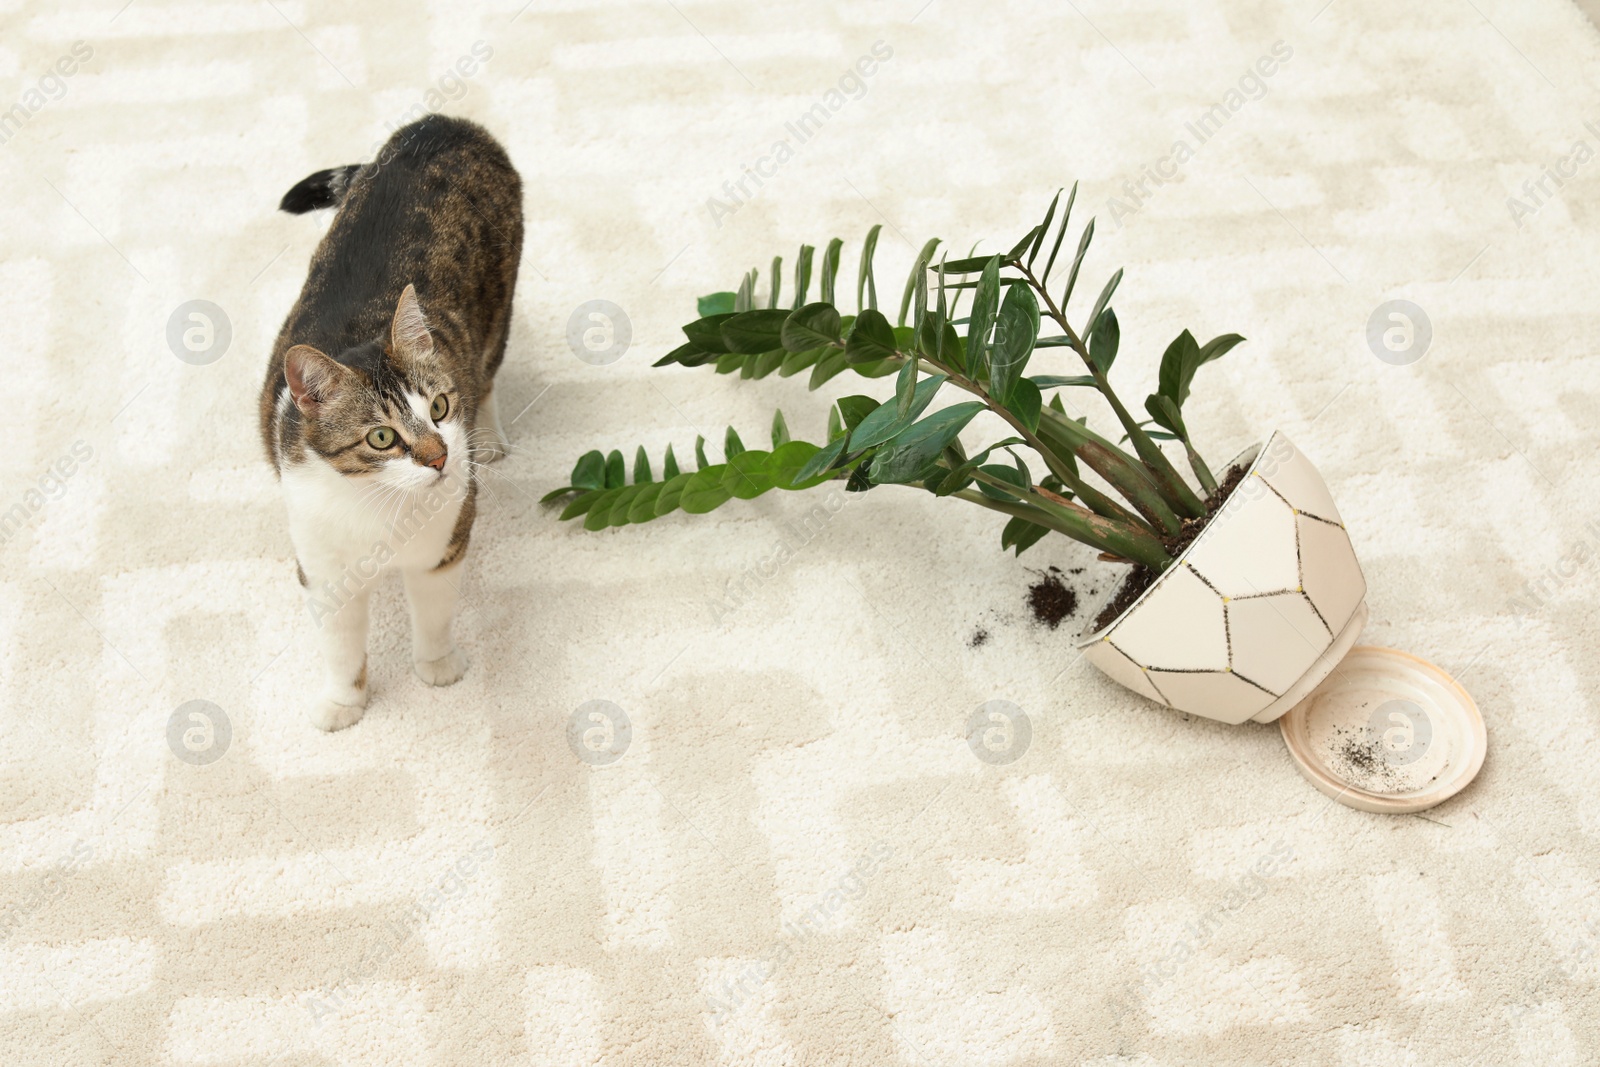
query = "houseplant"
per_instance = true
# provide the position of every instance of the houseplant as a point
(1266, 531)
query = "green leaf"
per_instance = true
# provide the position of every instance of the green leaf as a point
(787, 462)
(823, 460)
(812, 326)
(599, 516)
(1025, 403)
(969, 265)
(830, 269)
(795, 362)
(704, 490)
(905, 386)
(742, 299)
(1105, 296)
(835, 423)
(864, 279)
(729, 362)
(1044, 228)
(618, 513)
(1061, 232)
(908, 457)
(885, 421)
(555, 494)
(767, 362)
(1077, 263)
(643, 506)
(1051, 381)
(859, 481)
(1103, 340)
(780, 430)
(1183, 352)
(616, 470)
(747, 476)
(686, 354)
(1021, 535)
(827, 367)
(1165, 413)
(777, 278)
(669, 466)
(1023, 245)
(1216, 348)
(918, 276)
(714, 304)
(754, 332)
(700, 463)
(641, 467)
(1006, 474)
(731, 445)
(855, 408)
(985, 305)
(871, 338)
(802, 274)
(671, 492)
(582, 504)
(1016, 328)
(590, 471)
(706, 333)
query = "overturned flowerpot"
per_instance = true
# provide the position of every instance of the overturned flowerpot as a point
(1255, 612)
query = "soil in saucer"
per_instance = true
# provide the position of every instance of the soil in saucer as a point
(1140, 578)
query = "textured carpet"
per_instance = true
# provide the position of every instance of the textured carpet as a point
(797, 857)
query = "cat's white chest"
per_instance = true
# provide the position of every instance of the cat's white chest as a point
(339, 523)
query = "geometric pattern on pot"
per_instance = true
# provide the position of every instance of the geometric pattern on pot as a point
(1248, 608)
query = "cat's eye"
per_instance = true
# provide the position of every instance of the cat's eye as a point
(440, 408)
(381, 437)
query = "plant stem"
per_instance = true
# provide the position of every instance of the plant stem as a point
(1207, 481)
(1129, 542)
(1182, 497)
(1126, 474)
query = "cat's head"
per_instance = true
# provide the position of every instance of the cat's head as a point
(387, 412)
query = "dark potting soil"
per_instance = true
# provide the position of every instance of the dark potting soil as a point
(1140, 577)
(979, 638)
(1050, 599)
(1359, 758)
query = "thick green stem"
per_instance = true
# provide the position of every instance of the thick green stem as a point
(1119, 539)
(1207, 481)
(1124, 473)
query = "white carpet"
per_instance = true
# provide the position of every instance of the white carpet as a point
(797, 859)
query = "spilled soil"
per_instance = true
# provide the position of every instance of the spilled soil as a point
(1050, 599)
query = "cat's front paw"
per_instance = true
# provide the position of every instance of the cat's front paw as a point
(446, 670)
(330, 715)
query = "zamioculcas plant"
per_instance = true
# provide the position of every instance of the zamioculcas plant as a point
(986, 352)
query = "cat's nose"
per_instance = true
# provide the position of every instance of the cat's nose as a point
(430, 451)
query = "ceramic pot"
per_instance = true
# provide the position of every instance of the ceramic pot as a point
(1256, 611)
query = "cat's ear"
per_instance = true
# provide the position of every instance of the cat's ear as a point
(314, 379)
(409, 336)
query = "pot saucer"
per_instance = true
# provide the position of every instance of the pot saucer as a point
(1386, 732)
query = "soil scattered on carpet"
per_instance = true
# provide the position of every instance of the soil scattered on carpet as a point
(1140, 578)
(979, 638)
(1050, 599)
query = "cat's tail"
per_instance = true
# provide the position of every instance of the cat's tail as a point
(325, 188)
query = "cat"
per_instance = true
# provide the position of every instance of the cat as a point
(379, 399)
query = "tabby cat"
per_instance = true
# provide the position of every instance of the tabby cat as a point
(379, 399)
